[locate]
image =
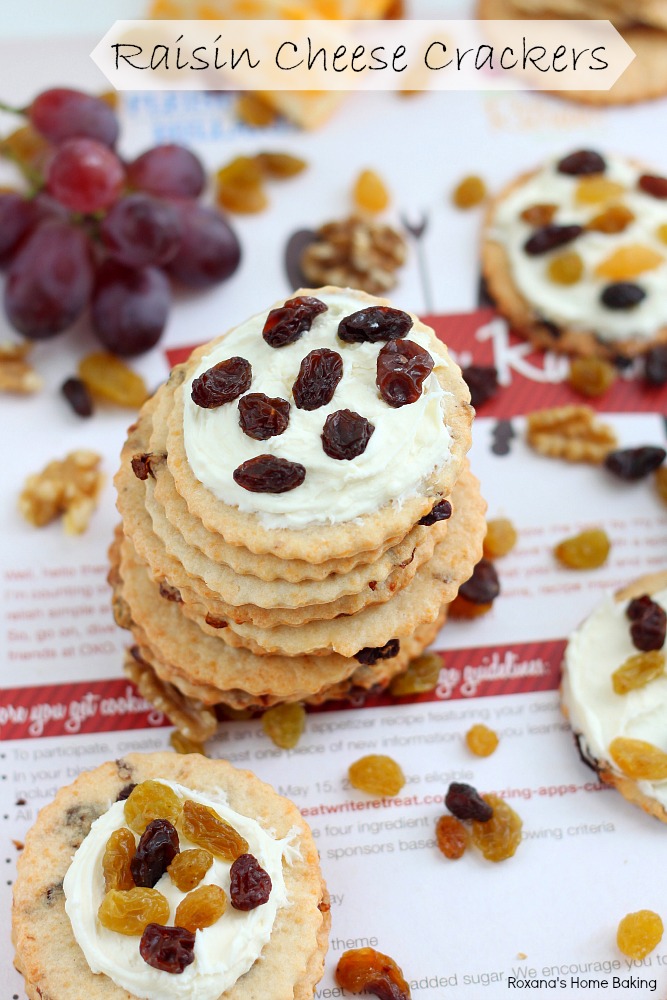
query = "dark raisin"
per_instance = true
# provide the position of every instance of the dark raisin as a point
(440, 511)
(638, 606)
(622, 295)
(654, 185)
(287, 323)
(584, 161)
(550, 328)
(157, 848)
(126, 791)
(346, 434)
(482, 381)
(402, 367)
(370, 655)
(549, 237)
(169, 949)
(170, 593)
(319, 374)
(222, 383)
(215, 622)
(635, 463)
(142, 466)
(649, 628)
(269, 474)
(483, 586)
(249, 884)
(374, 324)
(465, 802)
(262, 417)
(655, 365)
(76, 393)
(54, 894)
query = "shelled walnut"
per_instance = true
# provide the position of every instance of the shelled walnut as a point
(355, 253)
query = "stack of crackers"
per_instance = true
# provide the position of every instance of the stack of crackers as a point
(240, 599)
(642, 23)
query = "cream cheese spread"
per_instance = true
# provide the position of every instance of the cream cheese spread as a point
(598, 647)
(223, 952)
(407, 445)
(578, 306)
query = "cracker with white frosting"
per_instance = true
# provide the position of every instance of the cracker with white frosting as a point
(59, 941)
(620, 722)
(575, 255)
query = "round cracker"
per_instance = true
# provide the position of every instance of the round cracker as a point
(48, 955)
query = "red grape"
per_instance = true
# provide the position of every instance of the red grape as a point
(17, 216)
(130, 307)
(49, 281)
(140, 230)
(60, 114)
(85, 175)
(169, 171)
(209, 251)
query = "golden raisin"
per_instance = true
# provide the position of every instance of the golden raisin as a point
(128, 912)
(204, 827)
(182, 744)
(189, 867)
(239, 186)
(118, 854)
(594, 189)
(280, 165)
(251, 109)
(566, 268)
(201, 908)
(148, 801)
(481, 740)
(614, 219)
(661, 482)
(377, 775)
(587, 550)
(370, 192)
(499, 837)
(284, 724)
(29, 150)
(370, 970)
(591, 376)
(629, 262)
(469, 192)
(109, 378)
(639, 759)
(639, 933)
(460, 607)
(638, 671)
(421, 676)
(539, 215)
(452, 836)
(500, 537)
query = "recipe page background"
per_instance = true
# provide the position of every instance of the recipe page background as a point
(458, 929)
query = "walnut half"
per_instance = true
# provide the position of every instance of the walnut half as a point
(570, 432)
(355, 253)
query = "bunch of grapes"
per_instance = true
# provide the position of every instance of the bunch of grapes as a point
(102, 233)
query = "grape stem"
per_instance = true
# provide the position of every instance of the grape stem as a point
(12, 110)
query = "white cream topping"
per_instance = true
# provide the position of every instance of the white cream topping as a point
(407, 444)
(599, 647)
(578, 306)
(223, 952)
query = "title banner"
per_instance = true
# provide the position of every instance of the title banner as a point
(324, 55)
